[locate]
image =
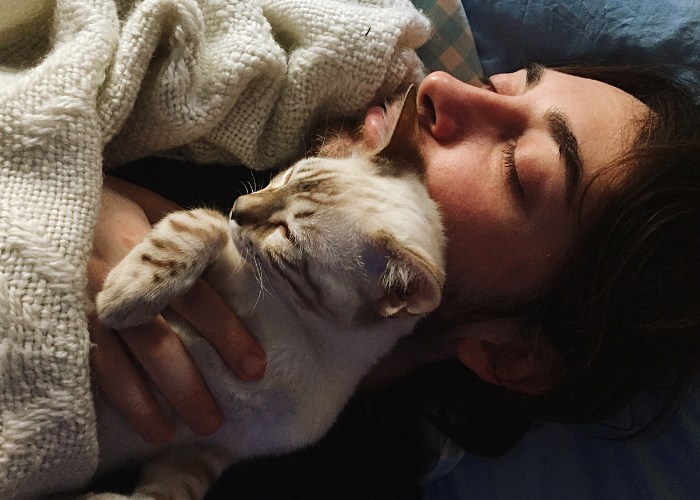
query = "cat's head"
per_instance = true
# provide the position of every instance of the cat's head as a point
(353, 232)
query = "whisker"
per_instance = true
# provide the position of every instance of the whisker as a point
(260, 290)
(257, 274)
(265, 288)
(255, 182)
(259, 277)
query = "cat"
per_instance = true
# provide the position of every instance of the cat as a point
(328, 267)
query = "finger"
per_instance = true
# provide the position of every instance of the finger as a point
(159, 351)
(97, 272)
(204, 308)
(122, 384)
(154, 205)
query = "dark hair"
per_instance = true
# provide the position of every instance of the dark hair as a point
(625, 310)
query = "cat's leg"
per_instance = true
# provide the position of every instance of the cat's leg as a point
(185, 474)
(165, 264)
(112, 496)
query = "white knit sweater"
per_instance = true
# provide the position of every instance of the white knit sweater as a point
(92, 83)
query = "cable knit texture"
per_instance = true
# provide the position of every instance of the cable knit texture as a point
(87, 84)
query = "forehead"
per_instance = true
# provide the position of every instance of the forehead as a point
(604, 119)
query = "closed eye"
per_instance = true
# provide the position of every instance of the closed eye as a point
(286, 176)
(511, 169)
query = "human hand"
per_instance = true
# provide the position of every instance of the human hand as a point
(123, 362)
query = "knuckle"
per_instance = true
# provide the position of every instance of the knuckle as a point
(139, 411)
(187, 400)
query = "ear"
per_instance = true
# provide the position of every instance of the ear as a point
(411, 285)
(498, 354)
(402, 146)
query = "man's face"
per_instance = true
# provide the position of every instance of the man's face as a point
(507, 163)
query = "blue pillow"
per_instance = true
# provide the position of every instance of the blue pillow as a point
(511, 33)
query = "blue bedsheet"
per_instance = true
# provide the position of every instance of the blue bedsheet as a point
(576, 462)
(510, 33)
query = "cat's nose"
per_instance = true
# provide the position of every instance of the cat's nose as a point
(254, 208)
(242, 212)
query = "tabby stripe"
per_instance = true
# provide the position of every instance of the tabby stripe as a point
(167, 245)
(299, 293)
(319, 182)
(163, 264)
(312, 284)
(318, 291)
(198, 232)
(314, 174)
(305, 214)
(305, 185)
(313, 197)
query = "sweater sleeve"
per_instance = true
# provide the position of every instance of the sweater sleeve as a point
(86, 84)
(50, 175)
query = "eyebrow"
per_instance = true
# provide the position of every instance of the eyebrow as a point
(569, 151)
(533, 74)
(560, 130)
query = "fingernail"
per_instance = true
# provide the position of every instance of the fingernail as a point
(208, 425)
(253, 367)
(160, 432)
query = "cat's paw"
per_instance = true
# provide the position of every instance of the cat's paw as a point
(162, 266)
(134, 292)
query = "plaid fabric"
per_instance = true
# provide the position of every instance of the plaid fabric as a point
(452, 47)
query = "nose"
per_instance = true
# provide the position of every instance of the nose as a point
(242, 212)
(254, 208)
(450, 109)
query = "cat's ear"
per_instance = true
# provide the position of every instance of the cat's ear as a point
(411, 284)
(402, 147)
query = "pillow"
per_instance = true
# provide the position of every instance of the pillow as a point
(451, 47)
(511, 33)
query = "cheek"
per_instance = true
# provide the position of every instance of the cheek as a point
(455, 184)
(474, 222)
(490, 248)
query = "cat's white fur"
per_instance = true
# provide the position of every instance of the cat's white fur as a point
(375, 269)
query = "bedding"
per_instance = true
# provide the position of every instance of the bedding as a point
(581, 461)
(510, 33)
(451, 47)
